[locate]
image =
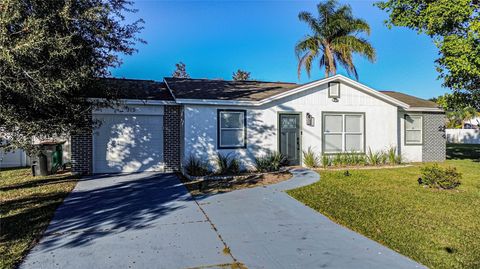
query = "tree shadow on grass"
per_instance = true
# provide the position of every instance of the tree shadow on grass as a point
(36, 183)
(24, 220)
(463, 151)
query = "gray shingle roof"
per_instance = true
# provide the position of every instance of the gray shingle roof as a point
(130, 89)
(411, 100)
(213, 89)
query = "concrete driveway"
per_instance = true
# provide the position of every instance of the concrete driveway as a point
(150, 221)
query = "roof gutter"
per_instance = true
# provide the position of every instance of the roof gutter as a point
(424, 109)
(140, 102)
(217, 102)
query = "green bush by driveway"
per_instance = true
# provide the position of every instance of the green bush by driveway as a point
(27, 205)
(438, 228)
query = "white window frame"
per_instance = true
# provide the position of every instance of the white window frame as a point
(344, 132)
(220, 128)
(413, 116)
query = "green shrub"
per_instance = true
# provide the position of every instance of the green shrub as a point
(310, 158)
(227, 165)
(271, 162)
(374, 158)
(235, 166)
(383, 157)
(392, 155)
(196, 167)
(357, 158)
(399, 159)
(325, 161)
(337, 160)
(344, 159)
(436, 177)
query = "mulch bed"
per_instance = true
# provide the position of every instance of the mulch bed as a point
(362, 167)
(221, 184)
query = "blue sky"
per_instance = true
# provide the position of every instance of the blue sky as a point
(215, 38)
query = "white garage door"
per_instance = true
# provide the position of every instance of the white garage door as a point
(128, 143)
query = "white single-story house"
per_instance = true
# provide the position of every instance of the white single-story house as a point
(171, 120)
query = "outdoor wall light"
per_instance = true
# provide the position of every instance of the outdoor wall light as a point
(334, 90)
(310, 120)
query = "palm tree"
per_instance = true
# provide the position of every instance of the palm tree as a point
(334, 39)
(457, 118)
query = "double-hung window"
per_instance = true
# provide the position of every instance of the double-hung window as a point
(343, 132)
(413, 129)
(232, 131)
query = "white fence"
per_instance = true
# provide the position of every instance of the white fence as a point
(16, 158)
(463, 136)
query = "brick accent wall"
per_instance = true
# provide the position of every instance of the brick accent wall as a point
(434, 138)
(81, 146)
(172, 123)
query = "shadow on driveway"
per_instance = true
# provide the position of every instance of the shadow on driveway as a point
(143, 220)
(104, 204)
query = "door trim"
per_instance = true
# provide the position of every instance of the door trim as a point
(300, 132)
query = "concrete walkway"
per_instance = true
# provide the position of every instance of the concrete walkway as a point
(266, 228)
(151, 221)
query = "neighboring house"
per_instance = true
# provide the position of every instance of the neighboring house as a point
(171, 120)
(19, 158)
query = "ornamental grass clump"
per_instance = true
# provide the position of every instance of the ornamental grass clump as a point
(374, 157)
(434, 176)
(310, 158)
(326, 161)
(196, 167)
(227, 165)
(392, 155)
(271, 162)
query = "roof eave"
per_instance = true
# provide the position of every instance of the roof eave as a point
(140, 101)
(216, 102)
(424, 109)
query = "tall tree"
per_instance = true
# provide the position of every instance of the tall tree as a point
(454, 26)
(334, 38)
(50, 54)
(180, 71)
(241, 75)
(458, 100)
(457, 118)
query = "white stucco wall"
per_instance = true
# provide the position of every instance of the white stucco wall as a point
(201, 123)
(410, 153)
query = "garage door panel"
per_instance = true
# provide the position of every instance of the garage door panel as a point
(128, 143)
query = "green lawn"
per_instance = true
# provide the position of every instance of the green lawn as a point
(26, 206)
(440, 229)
